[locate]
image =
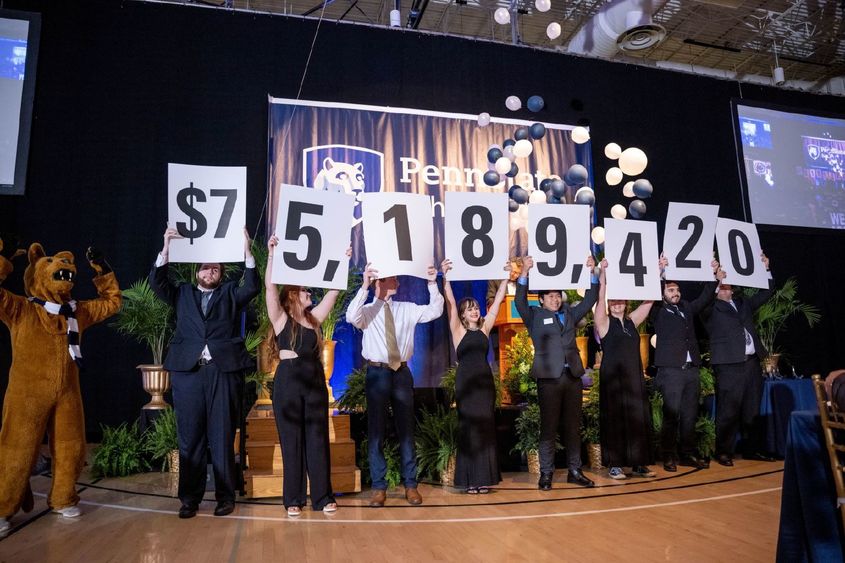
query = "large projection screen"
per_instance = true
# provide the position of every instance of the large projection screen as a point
(19, 33)
(793, 164)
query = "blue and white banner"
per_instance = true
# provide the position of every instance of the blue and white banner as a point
(366, 149)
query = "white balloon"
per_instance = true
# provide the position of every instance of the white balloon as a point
(523, 212)
(612, 151)
(633, 161)
(628, 189)
(580, 135)
(581, 293)
(613, 176)
(543, 5)
(553, 31)
(513, 103)
(503, 165)
(502, 16)
(483, 119)
(523, 148)
(654, 340)
(618, 211)
(597, 235)
(509, 153)
(537, 196)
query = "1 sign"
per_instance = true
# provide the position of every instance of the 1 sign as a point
(207, 206)
(559, 242)
(398, 233)
(688, 241)
(740, 254)
(633, 271)
(313, 231)
(476, 235)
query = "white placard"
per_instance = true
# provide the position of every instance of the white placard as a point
(313, 230)
(739, 254)
(398, 233)
(476, 235)
(559, 243)
(633, 270)
(207, 205)
(688, 241)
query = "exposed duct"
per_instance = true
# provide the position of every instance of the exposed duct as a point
(619, 25)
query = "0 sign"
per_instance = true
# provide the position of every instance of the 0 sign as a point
(739, 254)
(476, 234)
(313, 231)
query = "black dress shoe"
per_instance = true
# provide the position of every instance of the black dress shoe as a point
(575, 476)
(224, 507)
(725, 459)
(670, 465)
(545, 482)
(692, 461)
(757, 457)
(187, 511)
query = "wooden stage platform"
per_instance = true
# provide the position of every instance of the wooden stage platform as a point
(715, 514)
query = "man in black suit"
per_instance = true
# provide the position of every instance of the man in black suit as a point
(557, 368)
(735, 353)
(677, 359)
(206, 360)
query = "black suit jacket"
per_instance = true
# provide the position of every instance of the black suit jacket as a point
(554, 345)
(676, 333)
(727, 327)
(219, 329)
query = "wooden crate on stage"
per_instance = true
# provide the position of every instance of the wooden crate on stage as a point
(264, 471)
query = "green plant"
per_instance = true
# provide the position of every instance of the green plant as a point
(337, 312)
(393, 476)
(655, 401)
(448, 382)
(260, 379)
(436, 441)
(643, 327)
(520, 356)
(707, 382)
(528, 430)
(771, 316)
(146, 318)
(162, 439)
(584, 326)
(590, 415)
(120, 453)
(705, 431)
(354, 398)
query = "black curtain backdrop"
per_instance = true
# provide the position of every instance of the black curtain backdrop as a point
(123, 88)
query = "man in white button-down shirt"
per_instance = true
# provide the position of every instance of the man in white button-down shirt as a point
(389, 381)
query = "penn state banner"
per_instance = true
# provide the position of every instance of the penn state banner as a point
(365, 149)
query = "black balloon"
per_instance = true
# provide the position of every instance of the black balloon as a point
(519, 195)
(537, 131)
(521, 133)
(508, 142)
(558, 188)
(491, 178)
(550, 198)
(512, 205)
(494, 154)
(546, 184)
(513, 171)
(637, 209)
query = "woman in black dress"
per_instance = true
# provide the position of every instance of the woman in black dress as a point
(300, 397)
(477, 466)
(623, 405)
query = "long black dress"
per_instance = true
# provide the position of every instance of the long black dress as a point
(477, 463)
(625, 414)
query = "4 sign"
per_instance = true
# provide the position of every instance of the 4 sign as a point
(631, 251)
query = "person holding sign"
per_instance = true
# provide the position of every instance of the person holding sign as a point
(557, 368)
(205, 360)
(300, 397)
(388, 344)
(623, 403)
(735, 353)
(677, 360)
(477, 467)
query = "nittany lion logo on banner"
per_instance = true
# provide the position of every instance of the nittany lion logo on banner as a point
(813, 151)
(344, 168)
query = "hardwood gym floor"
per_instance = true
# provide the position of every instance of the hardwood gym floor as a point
(708, 515)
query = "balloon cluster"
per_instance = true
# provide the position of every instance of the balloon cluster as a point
(630, 162)
(503, 17)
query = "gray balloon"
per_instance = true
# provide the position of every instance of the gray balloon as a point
(550, 198)
(491, 178)
(587, 197)
(519, 195)
(637, 209)
(576, 175)
(512, 205)
(643, 188)
(558, 188)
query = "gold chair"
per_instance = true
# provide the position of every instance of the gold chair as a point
(833, 425)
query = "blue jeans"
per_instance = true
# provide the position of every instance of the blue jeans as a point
(384, 388)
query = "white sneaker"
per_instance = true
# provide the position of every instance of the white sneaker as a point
(68, 511)
(617, 473)
(5, 525)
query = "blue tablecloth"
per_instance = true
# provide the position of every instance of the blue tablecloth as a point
(780, 398)
(810, 530)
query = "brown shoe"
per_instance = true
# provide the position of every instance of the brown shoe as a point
(413, 496)
(378, 498)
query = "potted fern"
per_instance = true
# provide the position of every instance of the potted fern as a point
(591, 424)
(120, 453)
(437, 444)
(161, 441)
(528, 437)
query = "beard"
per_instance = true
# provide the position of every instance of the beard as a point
(210, 285)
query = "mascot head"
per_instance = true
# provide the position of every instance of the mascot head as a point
(49, 277)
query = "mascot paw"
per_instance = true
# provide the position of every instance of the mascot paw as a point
(97, 260)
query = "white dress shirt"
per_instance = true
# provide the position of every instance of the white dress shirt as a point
(406, 315)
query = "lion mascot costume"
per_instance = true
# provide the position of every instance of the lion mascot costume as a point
(43, 393)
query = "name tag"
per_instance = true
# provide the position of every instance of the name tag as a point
(548, 321)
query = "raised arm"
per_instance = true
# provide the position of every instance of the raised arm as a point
(756, 300)
(110, 298)
(493, 309)
(158, 279)
(521, 297)
(641, 313)
(451, 306)
(435, 299)
(590, 296)
(708, 292)
(276, 314)
(326, 304)
(358, 314)
(600, 318)
(247, 291)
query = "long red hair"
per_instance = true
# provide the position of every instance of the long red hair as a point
(292, 305)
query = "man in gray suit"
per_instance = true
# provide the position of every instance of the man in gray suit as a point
(557, 368)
